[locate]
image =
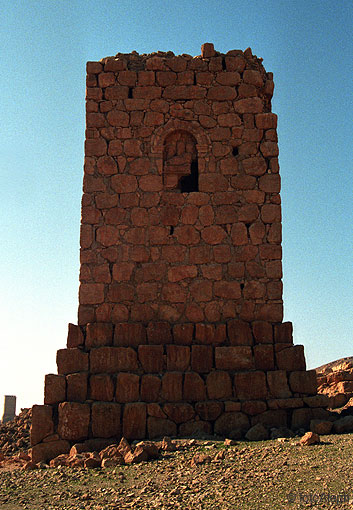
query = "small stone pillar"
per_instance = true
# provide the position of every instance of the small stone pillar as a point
(9, 408)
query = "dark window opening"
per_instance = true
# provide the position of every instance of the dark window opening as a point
(190, 183)
(130, 93)
(195, 82)
(224, 67)
(171, 231)
(242, 286)
(235, 151)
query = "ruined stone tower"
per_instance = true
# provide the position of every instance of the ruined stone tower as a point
(180, 326)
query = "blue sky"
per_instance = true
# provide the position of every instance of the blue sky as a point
(45, 45)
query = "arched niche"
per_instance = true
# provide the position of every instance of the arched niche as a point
(180, 149)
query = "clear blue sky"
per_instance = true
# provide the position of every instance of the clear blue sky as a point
(45, 44)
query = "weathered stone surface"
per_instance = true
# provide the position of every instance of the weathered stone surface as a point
(303, 382)
(291, 359)
(42, 423)
(219, 385)
(106, 419)
(71, 360)
(257, 432)
(73, 421)
(134, 421)
(76, 387)
(158, 427)
(54, 389)
(44, 452)
(232, 425)
(127, 387)
(250, 385)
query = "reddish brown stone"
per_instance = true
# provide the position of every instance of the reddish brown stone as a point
(178, 273)
(183, 334)
(219, 385)
(262, 332)
(159, 427)
(134, 421)
(271, 419)
(91, 293)
(44, 452)
(74, 336)
(159, 333)
(178, 357)
(303, 382)
(127, 387)
(151, 358)
(74, 421)
(106, 420)
(101, 387)
(42, 424)
(264, 357)
(278, 384)
(234, 358)
(201, 358)
(233, 425)
(76, 387)
(253, 407)
(71, 360)
(194, 387)
(113, 359)
(129, 334)
(291, 359)
(284, 333)
(179, 413)
(150, 388)
(98, 334)
(171, 390)
(239, 332)
(54, 389)
(250, 385)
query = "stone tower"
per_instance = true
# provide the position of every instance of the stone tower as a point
(180, 326)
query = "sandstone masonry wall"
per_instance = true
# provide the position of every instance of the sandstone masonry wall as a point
(180, 304)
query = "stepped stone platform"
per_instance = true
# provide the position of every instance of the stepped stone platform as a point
(180, 321)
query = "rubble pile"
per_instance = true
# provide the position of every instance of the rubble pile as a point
(14, 435)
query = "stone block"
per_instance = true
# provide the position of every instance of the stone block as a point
(76, 387)
(127, 387)
(264, 357)
(183, 334)
(44, 452)
(42, 423)
(250, 385)
(239, 332)
(113, 360)
(195, 428)
(271, 418)
(178, 357)
(201, 358)
(73, 421)
(210, 334)
(159, 427)
(101, 387)
(74, 336)
(71, 360)
(284, 333)
(253, 407)
(179, 413)
(232, 425)
(194, 388)
(150, 388)
(99, 334)
(303, 382)
(151, 358)
(209, 410)
(129, 334)
(219, 385)
(291, 359)
(159, 333)
(263, 332)
(234, 358)
(172, 387)
(134, 421)
(54, 389)
(106, 419)
(278, 384)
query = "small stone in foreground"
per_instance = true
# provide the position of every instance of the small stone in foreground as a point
(309, 438)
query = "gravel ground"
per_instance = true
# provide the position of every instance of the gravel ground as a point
(274, 474)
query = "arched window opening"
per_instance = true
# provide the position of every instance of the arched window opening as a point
(180, 165)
